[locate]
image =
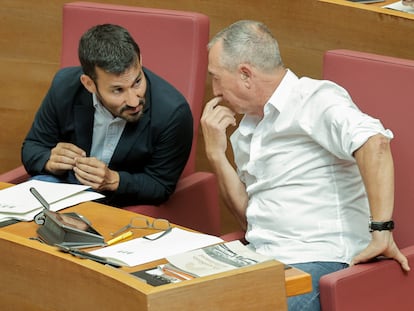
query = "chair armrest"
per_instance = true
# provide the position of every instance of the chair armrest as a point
(380, 285)
(194, 204)
(15, 176)
(236, 235)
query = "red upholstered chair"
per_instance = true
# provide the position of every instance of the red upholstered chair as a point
(382, 87)
(173, 44)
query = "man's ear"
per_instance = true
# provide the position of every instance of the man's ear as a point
(245, 72)
(88, 83)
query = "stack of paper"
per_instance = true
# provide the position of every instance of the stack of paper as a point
(17, 202)
(398, 6)
(139, 251)
(213, 259)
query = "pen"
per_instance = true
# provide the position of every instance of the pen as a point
(39, 197)
(176, 274)
(86, 255)
(119, 238)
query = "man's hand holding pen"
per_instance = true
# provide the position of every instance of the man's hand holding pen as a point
(96, 174)
(62, 158)
(88, 171)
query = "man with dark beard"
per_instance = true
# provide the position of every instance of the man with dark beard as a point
(111, 124)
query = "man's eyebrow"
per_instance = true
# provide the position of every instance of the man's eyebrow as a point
(213, 75)
(210, 72)
(138, 77)
(117, 86)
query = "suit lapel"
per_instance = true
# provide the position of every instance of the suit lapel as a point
(84, 116)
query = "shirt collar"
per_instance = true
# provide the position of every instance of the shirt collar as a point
(248, 124)
(277, 100)
(101, 108)
(97, 104)
(282, 92)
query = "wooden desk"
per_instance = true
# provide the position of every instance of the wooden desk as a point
(373, 7)
(23, 269)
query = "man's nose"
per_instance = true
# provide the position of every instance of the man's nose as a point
(216, 89)
(133, 97)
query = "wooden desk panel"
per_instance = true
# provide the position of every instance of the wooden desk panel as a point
(38, 277)
(297, 282)
(45, 274)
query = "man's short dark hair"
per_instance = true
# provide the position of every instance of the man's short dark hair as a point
(109, 47)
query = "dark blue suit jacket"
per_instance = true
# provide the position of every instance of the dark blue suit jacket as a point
(151, 153)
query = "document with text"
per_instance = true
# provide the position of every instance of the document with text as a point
(17, 202)
(214, 259)
(139, 251)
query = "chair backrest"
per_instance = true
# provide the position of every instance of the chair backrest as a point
(382, 87)
(173, 45)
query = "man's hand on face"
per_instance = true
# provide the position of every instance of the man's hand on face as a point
(215, 120)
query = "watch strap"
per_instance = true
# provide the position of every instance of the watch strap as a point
(381, 225)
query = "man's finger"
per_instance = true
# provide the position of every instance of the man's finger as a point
(213, 102)
(72, 149)
(364, 256)
(403, 261)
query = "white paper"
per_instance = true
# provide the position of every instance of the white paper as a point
(139, 251)
(17, 202)
(399, 7)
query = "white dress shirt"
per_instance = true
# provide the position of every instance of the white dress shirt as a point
(307, 201)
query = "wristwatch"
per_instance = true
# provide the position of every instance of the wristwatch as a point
(381, 225)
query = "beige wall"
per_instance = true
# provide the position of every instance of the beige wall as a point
(30, 46)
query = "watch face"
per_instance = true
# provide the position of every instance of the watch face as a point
(380, 226)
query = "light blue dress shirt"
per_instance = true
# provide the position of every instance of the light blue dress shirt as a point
(107, 131)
